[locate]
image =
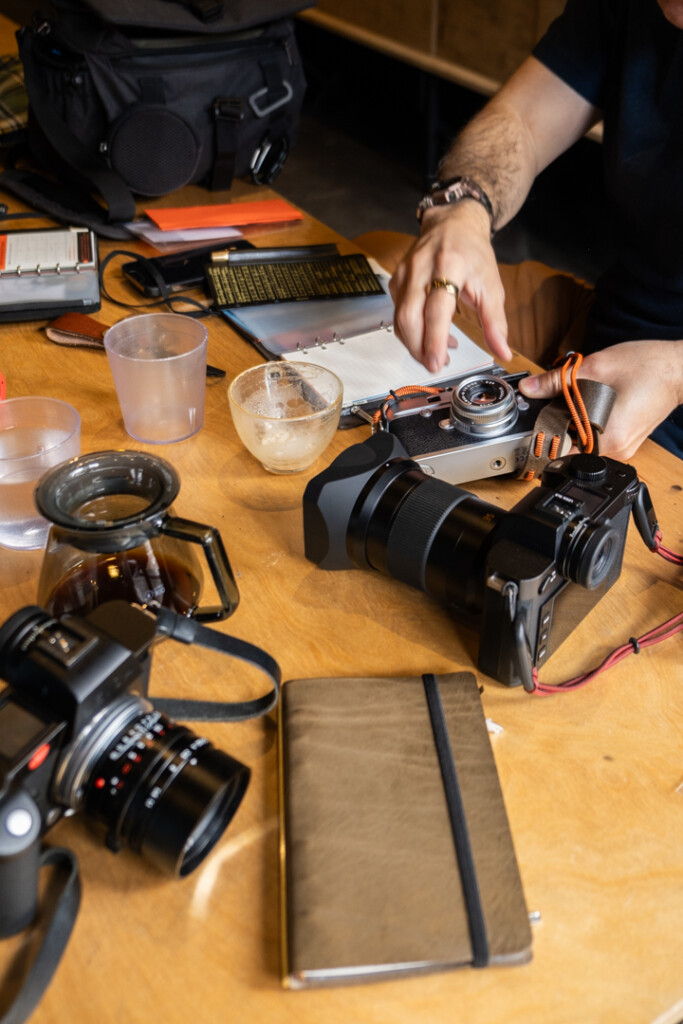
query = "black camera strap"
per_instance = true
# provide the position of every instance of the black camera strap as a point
(189, 631)
(198, 309)
(60, 925)
(57, 933)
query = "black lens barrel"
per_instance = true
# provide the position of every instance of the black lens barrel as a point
(427, 533)
(164, 792)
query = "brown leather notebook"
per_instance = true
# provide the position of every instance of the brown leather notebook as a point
(392, 861)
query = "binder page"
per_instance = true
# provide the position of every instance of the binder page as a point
(52, 250)
(371, 364)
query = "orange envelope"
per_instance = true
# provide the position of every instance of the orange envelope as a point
(264, 211)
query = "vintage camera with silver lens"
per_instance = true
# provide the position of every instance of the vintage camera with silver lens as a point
(78, 733)
(480, 426)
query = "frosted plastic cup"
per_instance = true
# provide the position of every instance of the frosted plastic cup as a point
(35, 435)
(158, 362)
(286, 414)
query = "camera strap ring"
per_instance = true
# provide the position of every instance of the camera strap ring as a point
(189, 631)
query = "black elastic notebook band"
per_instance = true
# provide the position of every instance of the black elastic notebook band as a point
(456, 813)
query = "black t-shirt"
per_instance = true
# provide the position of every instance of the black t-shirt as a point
(625, 58)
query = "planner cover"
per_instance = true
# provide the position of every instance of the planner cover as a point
(47, 272)
(354, 338)
(373, 883)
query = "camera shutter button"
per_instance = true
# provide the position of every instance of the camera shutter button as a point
(588, 467)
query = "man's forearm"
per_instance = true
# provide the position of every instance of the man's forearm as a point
(526, 125)
(494, 150)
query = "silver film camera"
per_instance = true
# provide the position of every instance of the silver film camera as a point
(480, 426)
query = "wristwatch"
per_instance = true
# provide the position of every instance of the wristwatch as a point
(442, 193)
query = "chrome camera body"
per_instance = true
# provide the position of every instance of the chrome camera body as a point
(479, 426)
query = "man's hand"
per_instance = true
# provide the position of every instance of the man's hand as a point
(456, 246)
(533, 118)
(648, 379)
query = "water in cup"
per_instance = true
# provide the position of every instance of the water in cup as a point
(28, 447)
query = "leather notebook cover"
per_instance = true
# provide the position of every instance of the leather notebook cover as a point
(372, 879)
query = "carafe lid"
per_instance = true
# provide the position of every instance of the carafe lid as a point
(68, 495)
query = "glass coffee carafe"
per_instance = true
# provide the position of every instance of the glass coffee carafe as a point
(114, 536)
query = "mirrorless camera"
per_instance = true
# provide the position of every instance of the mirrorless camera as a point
(524, 579)
(480, 426)
(77, 732)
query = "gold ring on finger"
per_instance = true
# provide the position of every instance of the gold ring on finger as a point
(448, 286)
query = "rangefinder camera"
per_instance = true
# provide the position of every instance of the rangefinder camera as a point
(77, 733)
(524, 578)
(480, 426)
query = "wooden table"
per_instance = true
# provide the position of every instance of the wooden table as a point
(593, 780)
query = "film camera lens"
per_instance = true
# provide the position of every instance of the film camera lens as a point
(156, 786)
(485, 406)
(159, 789)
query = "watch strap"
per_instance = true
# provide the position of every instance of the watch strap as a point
(445, 193)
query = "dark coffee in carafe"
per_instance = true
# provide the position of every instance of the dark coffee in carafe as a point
(114, 536)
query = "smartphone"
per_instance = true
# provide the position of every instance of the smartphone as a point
(178, 269)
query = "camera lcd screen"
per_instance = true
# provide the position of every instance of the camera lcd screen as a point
(19, 729)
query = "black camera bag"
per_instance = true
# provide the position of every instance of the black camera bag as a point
(144, 96)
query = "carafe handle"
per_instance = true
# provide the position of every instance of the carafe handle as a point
(210, 540)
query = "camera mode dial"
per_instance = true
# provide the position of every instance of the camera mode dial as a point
(588, 468)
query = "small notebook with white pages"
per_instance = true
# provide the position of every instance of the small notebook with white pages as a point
(47, 272)
(354, 338)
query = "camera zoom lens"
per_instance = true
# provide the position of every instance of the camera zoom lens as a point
(160, 789)
(427, 533)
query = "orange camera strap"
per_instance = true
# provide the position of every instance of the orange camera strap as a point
(578, 417)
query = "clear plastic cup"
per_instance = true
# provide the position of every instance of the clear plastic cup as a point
(35, 435)
(158, 362)
(286, 414)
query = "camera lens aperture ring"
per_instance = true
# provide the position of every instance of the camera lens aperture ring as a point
(163, 791)
(76, 765)
(483, 405)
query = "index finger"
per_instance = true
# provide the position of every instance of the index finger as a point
(439, 308)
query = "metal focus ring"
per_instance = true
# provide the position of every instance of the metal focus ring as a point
(483, 405)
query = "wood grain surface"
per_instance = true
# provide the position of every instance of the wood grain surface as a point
(593, 781)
